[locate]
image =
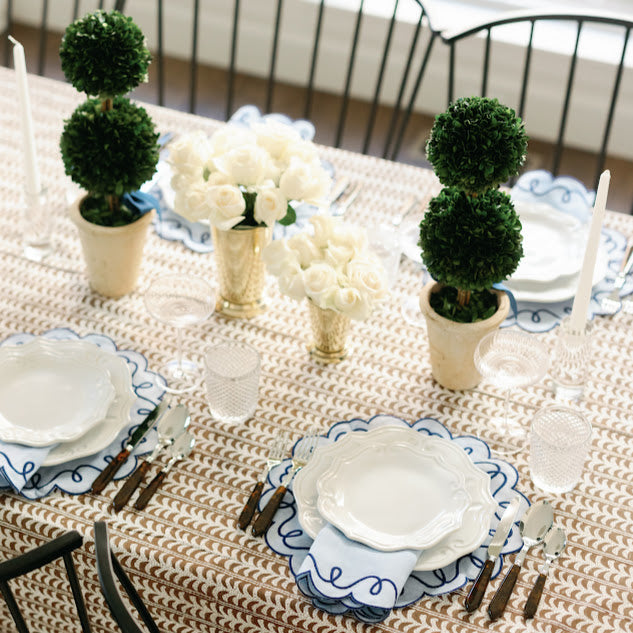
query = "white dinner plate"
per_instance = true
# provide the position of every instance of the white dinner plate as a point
(395, 488)
(117, 417)
(51, 391)
(465, 539)
(560, 289)
(553, 243)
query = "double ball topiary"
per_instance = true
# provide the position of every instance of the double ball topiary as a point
(476, 144)
(470, 235)
(109, 145)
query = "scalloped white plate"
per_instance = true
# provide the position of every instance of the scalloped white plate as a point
(467, 538)
(51, 391)
(395, 489)
(117, 417)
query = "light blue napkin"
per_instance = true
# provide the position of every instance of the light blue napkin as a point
(340, 572)
(18, 463)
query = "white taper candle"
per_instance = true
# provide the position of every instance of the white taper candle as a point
(580, 308)
(33, 184)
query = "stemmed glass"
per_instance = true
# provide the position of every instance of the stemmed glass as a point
(180, 301)
(511, 359)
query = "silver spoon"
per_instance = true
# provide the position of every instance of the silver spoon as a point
(553, 547)
(179, 450)
(534, 526)
(171, 425)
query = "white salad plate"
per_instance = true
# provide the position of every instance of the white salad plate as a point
(465, 539)
(116, 418)
(395, 488)
(560, 289)
(553, 243)
(51, 391)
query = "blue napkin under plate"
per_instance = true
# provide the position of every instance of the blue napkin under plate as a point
(344, 575)
(18, 463)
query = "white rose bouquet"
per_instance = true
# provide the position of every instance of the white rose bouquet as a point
(246, 176)
(333, 267)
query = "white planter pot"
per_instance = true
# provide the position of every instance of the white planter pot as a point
(452, 345)
(113, 254)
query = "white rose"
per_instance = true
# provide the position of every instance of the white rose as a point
(302, 150)
(339, 255)
(229, 137)
(226, 206)
(280, 259)
(292, 284)
(350, 237)
(320, 282)
(304, 181)
(184, 182)
(248, 165)
(324, 226)
(192, 203)
(188, 153)
(270, 205)
(351, 302)
(220, 178)
(276, 137)
(305, 248)
(368, 277)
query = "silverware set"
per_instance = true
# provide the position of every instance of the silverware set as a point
(173, 437)
(343, 194)
(303, 450)
(536, 529)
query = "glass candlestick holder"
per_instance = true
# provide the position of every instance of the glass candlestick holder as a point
(569, 368)
(37, 226)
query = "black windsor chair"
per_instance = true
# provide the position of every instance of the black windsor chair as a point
(109, 571)
(60, 547)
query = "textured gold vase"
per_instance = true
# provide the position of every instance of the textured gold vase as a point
(329, 331)
(241, 271)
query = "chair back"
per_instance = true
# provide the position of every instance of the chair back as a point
(109, 571)
(61, 547)
(565, 32)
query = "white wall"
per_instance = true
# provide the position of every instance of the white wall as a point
(585, 124)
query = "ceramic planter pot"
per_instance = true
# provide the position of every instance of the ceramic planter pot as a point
(452, 345)
(113, 254)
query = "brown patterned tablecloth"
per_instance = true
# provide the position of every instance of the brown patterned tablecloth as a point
(194, 567)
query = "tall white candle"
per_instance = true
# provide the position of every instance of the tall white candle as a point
(578, 318)
(32, 176)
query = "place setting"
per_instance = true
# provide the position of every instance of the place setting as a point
(91, 395)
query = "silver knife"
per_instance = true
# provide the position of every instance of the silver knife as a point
(476, 593)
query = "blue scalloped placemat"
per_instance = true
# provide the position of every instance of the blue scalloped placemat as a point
(287, 538)
(76, 477)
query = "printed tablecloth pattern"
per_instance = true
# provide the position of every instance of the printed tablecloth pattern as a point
(196, 570)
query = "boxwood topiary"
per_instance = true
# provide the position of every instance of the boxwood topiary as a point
(470, 235)
(109, 146)
(109, 153)
(104, 54)
(476, 144)
(469, 243)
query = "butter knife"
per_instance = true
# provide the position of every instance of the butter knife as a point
(140, 432)
(476, 593)
(173, 423)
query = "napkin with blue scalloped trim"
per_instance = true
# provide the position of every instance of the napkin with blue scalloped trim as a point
(341, 575)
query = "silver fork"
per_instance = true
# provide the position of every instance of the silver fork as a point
(274, 458)
(338, 207)
(302, 453)
(612, 302)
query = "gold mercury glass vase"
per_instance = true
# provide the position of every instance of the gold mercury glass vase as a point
(329, 330)
(241, 271)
